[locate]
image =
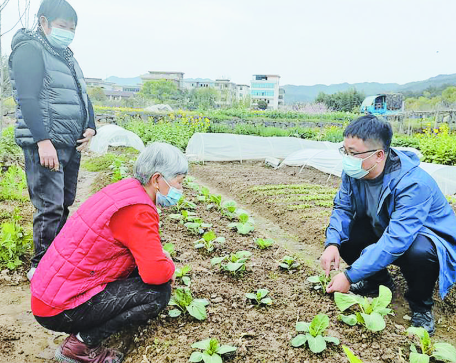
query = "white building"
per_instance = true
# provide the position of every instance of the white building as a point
(265, 88)
(242, 92)
(227, 91)
(195, 83)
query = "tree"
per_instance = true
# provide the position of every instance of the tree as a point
(262, 105)
(344, 101)
(161, 90)
(204, 98)
(449, 96)
(96, 94)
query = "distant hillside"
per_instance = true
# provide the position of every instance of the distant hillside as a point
(308, 93)
(124, 81)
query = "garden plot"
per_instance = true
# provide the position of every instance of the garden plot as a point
(252, 297)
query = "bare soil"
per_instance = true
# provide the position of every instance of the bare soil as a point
(261, 334)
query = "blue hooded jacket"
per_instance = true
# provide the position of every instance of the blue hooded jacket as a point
(411, 203)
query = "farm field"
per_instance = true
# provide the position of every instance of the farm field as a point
(289, 207)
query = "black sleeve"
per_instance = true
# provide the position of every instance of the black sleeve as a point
(91, 124)
(29, 73)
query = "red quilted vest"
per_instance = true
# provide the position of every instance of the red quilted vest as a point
(84, 256)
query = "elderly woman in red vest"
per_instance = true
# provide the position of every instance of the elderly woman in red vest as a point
(106, 270)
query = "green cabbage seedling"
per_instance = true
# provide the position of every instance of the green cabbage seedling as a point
(184, 302)
(169, 247)
(236, 262)
(259, 298)
(440, 351)
(264, 243)
(212, 351)
(216, 202)
(181, 273)
(245, 224)
(289, 263)
(350, 355)
(314, 336)
(229, 209)
(372, 311)
(208, 241)
(320, 281)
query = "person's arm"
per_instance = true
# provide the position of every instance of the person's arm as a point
(137, 228)
(412, 205)
(91, 124)
(29, 73)
(338, 230)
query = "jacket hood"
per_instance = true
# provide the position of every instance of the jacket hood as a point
(21, 36)
(402, 162)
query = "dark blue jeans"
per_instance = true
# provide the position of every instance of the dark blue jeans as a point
(51, 193)
(120, 305)
(419, 264)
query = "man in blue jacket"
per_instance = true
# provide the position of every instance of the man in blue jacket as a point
(389, 211)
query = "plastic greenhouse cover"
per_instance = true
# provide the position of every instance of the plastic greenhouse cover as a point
(232, 147)
(330, 161)
(113, 135)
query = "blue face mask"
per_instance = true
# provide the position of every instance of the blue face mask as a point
(60, 38)
(172, 198)
(353, 166)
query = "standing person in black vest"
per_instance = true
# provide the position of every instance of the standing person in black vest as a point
(55, 119)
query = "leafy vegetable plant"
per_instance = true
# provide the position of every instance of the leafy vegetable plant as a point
(320, 281)
(372, 311)
(350, 355)
(208, 241)
(236, 262)
(197, 227)
(212, 351)
(205, 195)
(245, 224)
(440, 351)
(314, 334)
(182, 272)
(216, 202)
(289, 263)
(259, 297)
(262, 244)
(184, 302)
(169, 247)
(229, 209)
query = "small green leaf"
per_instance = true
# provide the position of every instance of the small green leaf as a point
(220, 240)
(374, 322)
(418, 358)
(299, 340)
(314, 279)
(266, 301)
(351, 356)
(332, 340)
(344, 301)
(226, 349)
(383, 300)
(444, 351)
(174, 313)
(316, 344)
(196, 357)
(243, 218)
(214, 358)
(250, 296)
(197, 310)
(233, 266)
(217, 260)
(202, 344)
(302, 327)
(318, 325)
(348, 319)
(186, 280)
(262, 293)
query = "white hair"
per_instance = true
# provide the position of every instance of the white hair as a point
(162, 158)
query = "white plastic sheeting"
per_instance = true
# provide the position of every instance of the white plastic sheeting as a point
(330, 161)
(232, 147)
(113, 135)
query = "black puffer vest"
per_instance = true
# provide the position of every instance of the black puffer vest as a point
(63, 98)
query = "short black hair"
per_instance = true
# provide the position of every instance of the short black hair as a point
(370, 127)
(55, 9)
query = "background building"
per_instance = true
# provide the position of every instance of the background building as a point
(176, 77)
(265, 88)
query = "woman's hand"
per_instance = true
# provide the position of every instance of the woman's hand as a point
(48, 155)
(88, 134)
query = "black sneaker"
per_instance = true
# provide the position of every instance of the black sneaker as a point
(370, 288)
(424, 320)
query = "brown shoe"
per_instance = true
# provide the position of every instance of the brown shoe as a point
(74, 351)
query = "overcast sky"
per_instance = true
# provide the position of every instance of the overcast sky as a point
(305, 42)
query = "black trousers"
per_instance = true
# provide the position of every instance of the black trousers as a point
(51, 193)
(419, 264)
(122, 304)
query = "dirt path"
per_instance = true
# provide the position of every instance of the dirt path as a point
(22, 339)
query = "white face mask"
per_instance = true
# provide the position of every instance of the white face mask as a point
(353, 166)
(60, 38)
